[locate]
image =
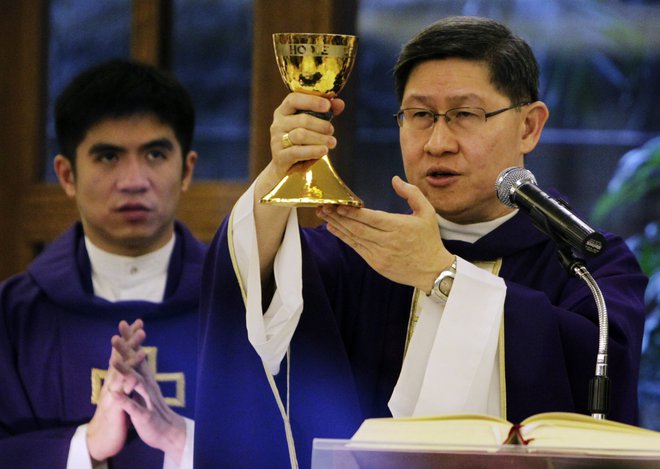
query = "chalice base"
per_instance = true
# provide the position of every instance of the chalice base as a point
(310, 186)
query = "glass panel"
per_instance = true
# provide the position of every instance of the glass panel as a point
(82, 33)
(212, 57)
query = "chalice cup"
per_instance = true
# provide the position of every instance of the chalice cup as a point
(316, 64)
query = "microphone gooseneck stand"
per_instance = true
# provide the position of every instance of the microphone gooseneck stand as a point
(509, 187)
(599, 386)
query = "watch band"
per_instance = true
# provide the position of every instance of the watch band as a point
(442, 285)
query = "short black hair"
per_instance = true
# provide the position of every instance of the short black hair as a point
(513, 68)
(121, 88)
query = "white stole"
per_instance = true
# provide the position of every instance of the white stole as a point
(451, 364)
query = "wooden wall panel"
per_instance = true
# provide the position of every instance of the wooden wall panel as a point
(22, 53)
(151, 31)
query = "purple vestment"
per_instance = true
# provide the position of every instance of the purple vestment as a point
(54, 332)
(347, 351)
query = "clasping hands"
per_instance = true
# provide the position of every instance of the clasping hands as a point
(131, 394)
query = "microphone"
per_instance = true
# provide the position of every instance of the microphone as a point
(516, 188)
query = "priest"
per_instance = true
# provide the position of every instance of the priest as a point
(458, 306)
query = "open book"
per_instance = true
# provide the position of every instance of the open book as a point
(565, 432)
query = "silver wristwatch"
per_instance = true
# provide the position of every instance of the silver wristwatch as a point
(442, 285)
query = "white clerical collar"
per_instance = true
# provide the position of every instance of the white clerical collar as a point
(471, 232)
(118, 277)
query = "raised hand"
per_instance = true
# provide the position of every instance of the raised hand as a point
(406, 248)
(308, 139)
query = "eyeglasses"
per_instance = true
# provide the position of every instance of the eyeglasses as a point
(466, 119)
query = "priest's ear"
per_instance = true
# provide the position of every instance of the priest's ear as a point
(65, 174)
(535, 115)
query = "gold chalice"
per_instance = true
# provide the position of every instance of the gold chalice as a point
(317, 64)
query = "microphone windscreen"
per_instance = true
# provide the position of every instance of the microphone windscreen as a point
(507, 182)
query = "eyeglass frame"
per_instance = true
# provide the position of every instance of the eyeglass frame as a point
(437, 115)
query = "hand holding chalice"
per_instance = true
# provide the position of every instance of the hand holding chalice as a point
(317, 64)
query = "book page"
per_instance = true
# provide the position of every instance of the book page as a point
(452, 430)
(579, 432)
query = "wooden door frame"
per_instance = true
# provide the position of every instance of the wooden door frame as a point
(22, 91)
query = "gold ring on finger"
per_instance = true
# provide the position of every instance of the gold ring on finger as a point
(286, 141)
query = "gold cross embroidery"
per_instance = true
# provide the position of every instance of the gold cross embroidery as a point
(179, 378)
